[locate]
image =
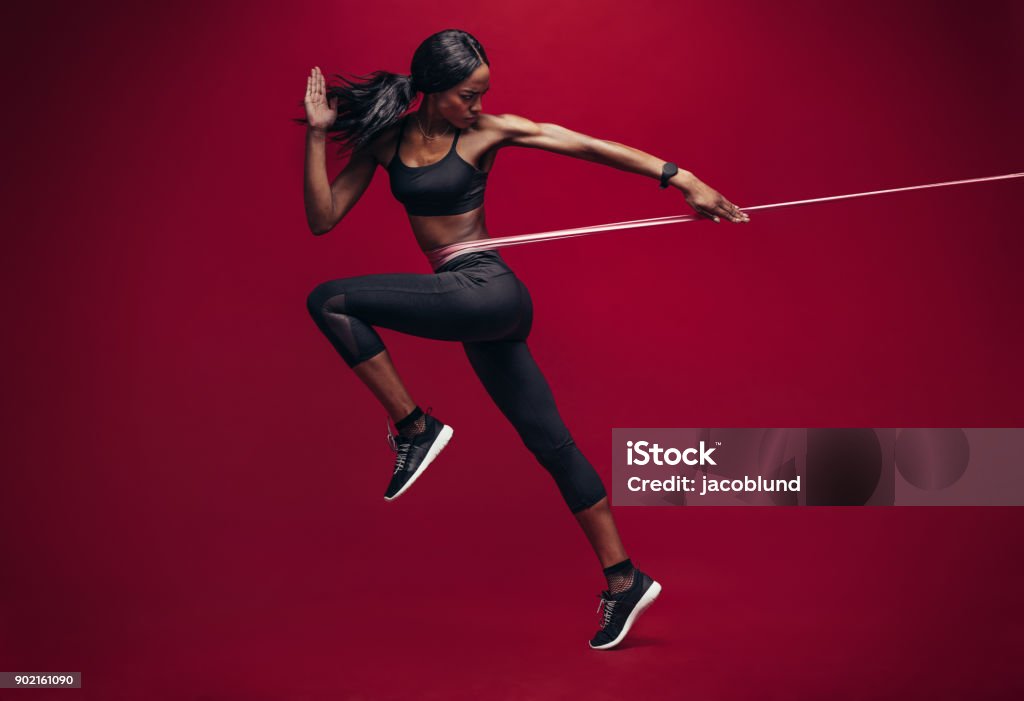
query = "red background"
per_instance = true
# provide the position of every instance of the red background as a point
(192, 486)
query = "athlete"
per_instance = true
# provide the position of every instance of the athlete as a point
(438, 159)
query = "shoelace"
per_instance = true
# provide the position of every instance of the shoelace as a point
(403, 453)
(609, 609)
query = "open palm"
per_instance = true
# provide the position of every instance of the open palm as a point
(319, 114)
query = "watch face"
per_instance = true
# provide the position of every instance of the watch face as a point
(667, 171)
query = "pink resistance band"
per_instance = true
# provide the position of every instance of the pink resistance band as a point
(440, 256)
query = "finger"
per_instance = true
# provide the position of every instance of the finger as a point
(732, 212)
(708, 214)
(740, 215)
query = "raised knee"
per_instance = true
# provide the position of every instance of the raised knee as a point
(317, 300)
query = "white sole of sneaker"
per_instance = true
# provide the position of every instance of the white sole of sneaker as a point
(442, 440)
(646, 600)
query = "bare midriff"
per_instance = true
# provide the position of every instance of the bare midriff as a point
(436, 232)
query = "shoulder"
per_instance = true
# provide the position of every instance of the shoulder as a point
(508, 127)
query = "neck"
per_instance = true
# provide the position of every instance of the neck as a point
(431, 122)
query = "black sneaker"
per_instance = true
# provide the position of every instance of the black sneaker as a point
(415, 454)
(621, 610)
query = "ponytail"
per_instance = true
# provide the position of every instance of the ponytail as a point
(366, 106)
(376, 101)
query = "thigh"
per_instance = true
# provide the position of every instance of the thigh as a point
(512, 378)
(452, 306)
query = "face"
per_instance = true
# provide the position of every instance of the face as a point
(462, 104)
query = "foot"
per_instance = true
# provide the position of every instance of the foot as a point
(619, 612)
(414, 455)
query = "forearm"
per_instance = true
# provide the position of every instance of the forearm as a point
(629, 159)
(319, 199)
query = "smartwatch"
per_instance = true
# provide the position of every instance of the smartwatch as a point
(667, 171)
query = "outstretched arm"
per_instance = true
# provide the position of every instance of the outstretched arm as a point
(705, 200)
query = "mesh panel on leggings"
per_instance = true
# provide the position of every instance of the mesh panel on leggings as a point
(340, 323)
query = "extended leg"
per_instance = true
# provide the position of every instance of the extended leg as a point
(511, 376)
(518, 387)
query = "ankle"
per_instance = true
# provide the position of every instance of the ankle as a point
(620, 576)
(412, 424)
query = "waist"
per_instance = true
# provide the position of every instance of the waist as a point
(442, 255)
(467, 259)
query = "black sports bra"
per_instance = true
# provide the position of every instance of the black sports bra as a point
(448, 186)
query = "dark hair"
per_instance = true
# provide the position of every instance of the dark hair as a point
(372, 103)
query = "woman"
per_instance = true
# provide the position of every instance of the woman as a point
(438, 159)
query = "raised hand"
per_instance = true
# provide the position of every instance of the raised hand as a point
(319, 114)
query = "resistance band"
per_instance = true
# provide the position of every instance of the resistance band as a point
(440, 256)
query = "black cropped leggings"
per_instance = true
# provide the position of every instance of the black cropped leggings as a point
(478, 300)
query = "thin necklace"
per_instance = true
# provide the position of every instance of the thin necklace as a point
(426, 136)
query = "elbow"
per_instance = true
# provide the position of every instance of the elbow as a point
(322, 221)
(321, 228)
